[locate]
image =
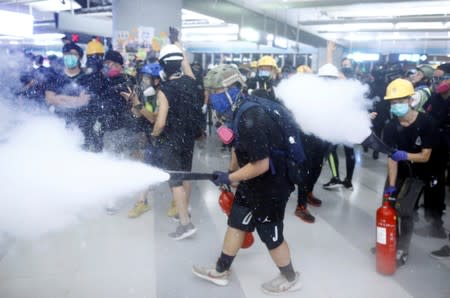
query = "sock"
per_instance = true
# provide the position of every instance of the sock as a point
(288, 272)
(224, 262)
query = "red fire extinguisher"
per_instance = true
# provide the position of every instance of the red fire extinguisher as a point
(386, 248)
(226, 199)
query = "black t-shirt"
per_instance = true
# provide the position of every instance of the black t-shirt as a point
(439, 109)
(71, 86)
(421, 134)
(181, 95)
(117, 112)
(259, 134)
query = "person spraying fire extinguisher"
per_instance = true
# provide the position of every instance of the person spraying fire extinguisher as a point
(413, 135)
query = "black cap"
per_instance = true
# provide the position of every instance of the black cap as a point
(114, 56)
(72, 46)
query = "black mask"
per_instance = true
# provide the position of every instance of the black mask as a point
(171, 67)
(348, 72)
(95, 62)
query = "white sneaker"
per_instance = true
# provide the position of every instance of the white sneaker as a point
(280, 285)
(210, 274)
(183, 231)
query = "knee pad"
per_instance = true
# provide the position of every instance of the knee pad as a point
(271, 234)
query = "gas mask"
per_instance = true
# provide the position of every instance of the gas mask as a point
(264, 74)
(150, 91)
(222, 102)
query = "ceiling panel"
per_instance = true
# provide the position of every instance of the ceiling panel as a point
(366, 23)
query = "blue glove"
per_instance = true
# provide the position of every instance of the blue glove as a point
(391, 190)
(221, 178)
(399, 155)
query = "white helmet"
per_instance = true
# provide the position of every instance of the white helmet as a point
(170, 52)
(328, 70)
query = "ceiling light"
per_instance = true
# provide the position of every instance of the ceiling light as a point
(395, 9)
(55, 5)
(15, 24)
(420, 25)
(249, 34)
(355, 27)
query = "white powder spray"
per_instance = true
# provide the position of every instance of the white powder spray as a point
(47, 181)
(333, 110)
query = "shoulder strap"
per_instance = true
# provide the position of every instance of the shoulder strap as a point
(247, 104)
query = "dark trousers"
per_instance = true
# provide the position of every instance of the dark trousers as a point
(333, 161)
(315, 150)
(434, 191)
(409, 191)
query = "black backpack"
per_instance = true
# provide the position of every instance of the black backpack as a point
(293, 148)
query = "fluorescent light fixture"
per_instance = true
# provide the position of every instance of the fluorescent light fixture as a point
(225, 29)
(394, 9)
(409, 57)
(280, 42)
(16, 24)
(56, 53)
(47, 39)
(55, 5)
(210, 37)
(421, 25)
(361, 57)
(191, 18)
(249, 34)
(355, 27)
(358, 37)
(9, 37)
(48, 36)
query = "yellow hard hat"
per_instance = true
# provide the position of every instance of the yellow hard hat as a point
(254, 64)
(399, 88)
(94, 47)
(304, 69)
(267, 61)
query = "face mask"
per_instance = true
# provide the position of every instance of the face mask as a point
(70, 61)
(95, 62)
(110, 72)
(225, 134)
(221, 102)
(399, 109)
(264, 73)
(150, 91)
(347, 71)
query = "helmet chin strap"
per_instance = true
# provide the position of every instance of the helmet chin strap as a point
(230, 100)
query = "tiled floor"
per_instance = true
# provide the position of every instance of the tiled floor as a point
(113, 256)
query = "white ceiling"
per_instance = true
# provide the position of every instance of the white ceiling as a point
(379, 26)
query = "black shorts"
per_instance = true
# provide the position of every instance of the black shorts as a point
(173, 158)
(245, 218)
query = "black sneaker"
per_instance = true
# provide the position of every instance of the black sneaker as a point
(441, 254)
(375, 155)
(303, 213)
(347, 184)
(333, 183)
(402, 258)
